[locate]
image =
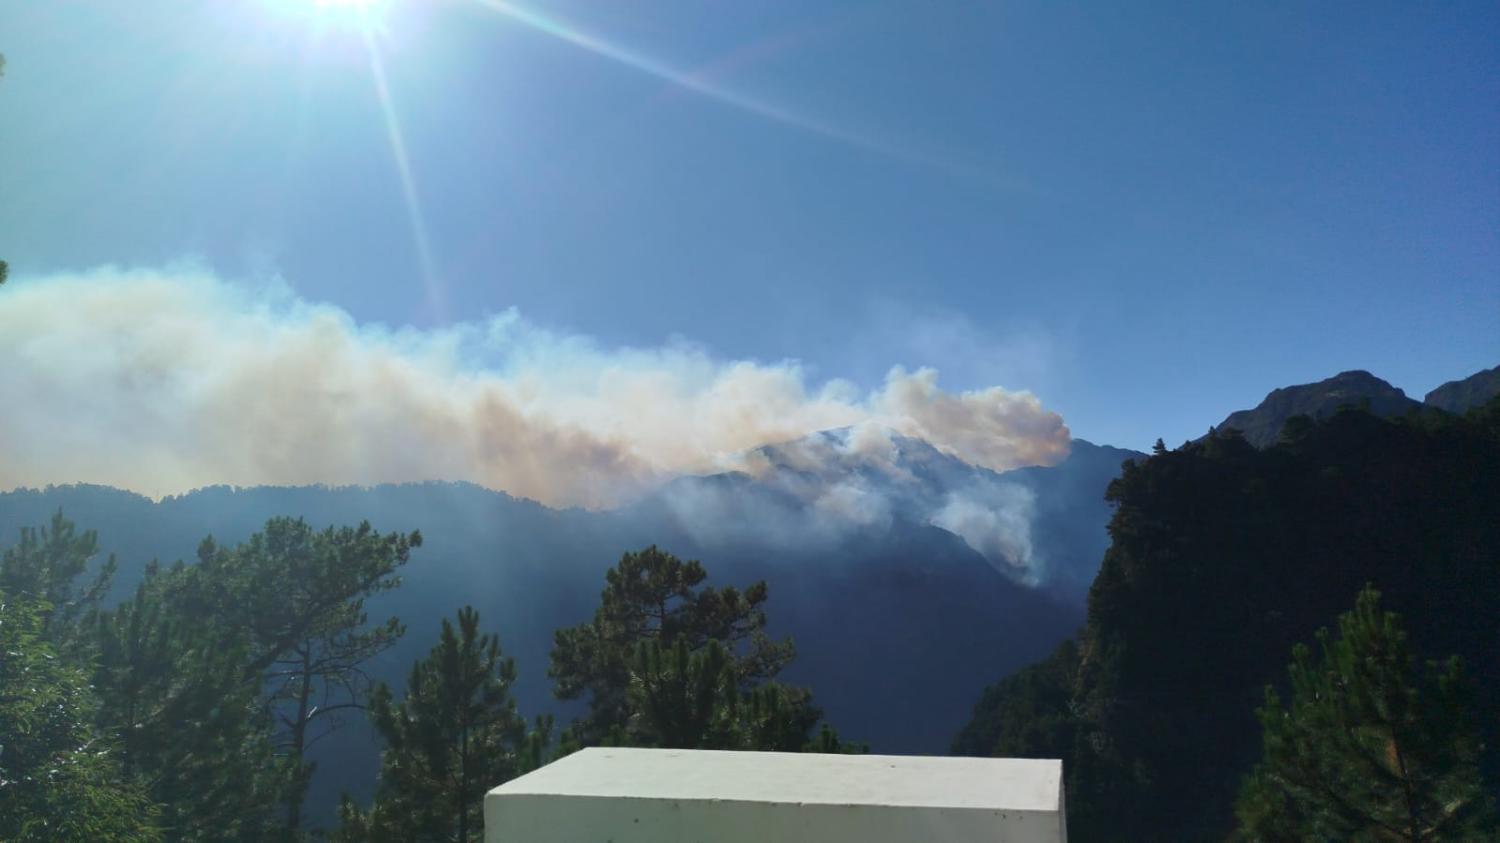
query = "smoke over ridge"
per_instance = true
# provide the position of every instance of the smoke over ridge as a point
(818, 490)
(165, 380)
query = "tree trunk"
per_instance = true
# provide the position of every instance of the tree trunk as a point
(298, 791)
(1413, 816)
(463, 785)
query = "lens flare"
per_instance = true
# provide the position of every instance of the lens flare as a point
(436, 299)
(369, 21)
(335, 14)
(698, 85)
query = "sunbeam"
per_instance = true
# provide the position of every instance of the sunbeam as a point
(644, 64)
(436, 297)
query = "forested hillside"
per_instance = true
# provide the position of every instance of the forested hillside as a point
(275, 636)
(189, 711)
(1223, 558)
(897, 628)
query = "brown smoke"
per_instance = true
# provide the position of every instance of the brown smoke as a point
(164, 381)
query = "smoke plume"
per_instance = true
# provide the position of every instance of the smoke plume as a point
(819, 490)
(164, 381)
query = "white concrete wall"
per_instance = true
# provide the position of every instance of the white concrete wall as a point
(573, 819)
(623, 796)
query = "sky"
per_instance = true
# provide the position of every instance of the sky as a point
(1143, 219)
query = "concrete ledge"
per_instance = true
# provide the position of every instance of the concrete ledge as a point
(677, 796)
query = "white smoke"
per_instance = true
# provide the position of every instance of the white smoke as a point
(164, 381)
(821, 489)
(995, 519)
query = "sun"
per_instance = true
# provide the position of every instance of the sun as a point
(351, 14)
(357, 9)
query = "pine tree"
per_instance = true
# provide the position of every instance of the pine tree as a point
(454, 735)
(172, 685)
(682, 699)
(1368, 747)
(669, 662)
(690, 700)
(60, 777)
(44, 566)
(773, 717)
(652, 595)
(195, 670)
(168, 699)
(298, 596)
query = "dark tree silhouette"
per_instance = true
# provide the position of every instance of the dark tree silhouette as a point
(299, 594)
(669, 662)
(454, 735)
(1367, 746)
(654, 596)
(1223, 557)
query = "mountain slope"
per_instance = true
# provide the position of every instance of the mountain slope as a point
(1069, 532)
(1040, 526)
(1460, 396)
(907, 577)
(1262, 425)
(897, 626)
(1223, 557)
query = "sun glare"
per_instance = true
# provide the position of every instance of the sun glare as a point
(357, 14)
(361, 10)
(354, 7)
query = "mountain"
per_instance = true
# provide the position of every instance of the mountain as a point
(1223, 557)
(1458, 397)
(528, 569)
(1261, 426)
(1040, 526)
(907, 577)
(1069, 533)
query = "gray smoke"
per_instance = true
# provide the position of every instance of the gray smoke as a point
(163, 381)
(822, 489)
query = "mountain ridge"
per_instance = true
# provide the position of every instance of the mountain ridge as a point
(834, 482)
(1261, 425)
(1460, 396)
(531, 570)
(933, 561)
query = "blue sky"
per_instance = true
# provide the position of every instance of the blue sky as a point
(1147, 219)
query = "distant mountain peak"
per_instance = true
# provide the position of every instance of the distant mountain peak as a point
(855, 450)
(1460, 396)
(1084, 446)
(870, 480)
(1354, 383)
(1262, 425)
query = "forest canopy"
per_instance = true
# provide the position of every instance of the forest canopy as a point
(1223, 557)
